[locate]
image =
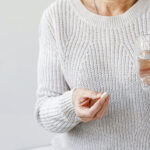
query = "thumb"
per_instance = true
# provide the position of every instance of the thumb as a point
(92, 94)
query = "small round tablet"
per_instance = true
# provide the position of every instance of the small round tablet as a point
(104, 95)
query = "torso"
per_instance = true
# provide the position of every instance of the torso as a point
(101, 57)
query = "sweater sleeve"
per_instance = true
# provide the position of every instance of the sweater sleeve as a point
(54, 109)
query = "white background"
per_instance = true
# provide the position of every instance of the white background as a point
(19, 20)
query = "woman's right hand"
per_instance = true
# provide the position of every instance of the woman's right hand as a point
(89, 105)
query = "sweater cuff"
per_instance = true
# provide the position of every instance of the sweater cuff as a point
(67, 107)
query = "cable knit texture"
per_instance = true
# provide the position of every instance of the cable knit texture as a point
(80, 49)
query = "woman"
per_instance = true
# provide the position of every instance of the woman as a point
(87, 48)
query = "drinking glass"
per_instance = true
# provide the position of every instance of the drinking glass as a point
(143, 60)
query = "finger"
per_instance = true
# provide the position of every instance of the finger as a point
(82, 111)
(86, 100)
(85, 103)
(91, 94)
(103, 110)
(96, 107)
(105, 95)
(85, 112)
(86, 119)
(100, 94)
(99, 112)
(106, 109)
(93, 101)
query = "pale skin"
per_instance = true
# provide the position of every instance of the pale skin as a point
(109, 7)
(88, 103)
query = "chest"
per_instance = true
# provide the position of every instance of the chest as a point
(101, 64)
(103, 59)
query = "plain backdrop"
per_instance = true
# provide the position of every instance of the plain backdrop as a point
(19, 20)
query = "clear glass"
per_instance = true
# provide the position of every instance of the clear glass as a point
(143, 60)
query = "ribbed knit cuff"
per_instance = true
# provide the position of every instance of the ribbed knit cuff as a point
(67, 107)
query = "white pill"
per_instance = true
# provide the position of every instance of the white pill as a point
(104, 95)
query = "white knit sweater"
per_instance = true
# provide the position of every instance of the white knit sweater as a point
(79, 48)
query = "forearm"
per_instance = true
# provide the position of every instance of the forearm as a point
(57, 114)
